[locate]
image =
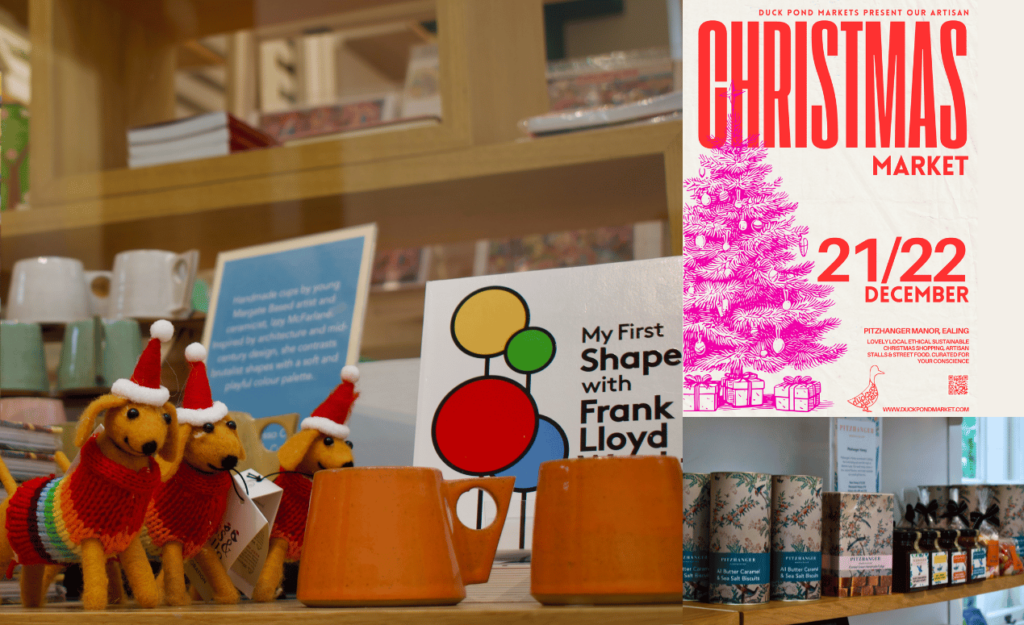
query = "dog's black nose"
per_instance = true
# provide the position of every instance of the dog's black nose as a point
(348, 464)
(229, 462)
(149, 448)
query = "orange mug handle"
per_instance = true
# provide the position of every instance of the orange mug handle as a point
(474, 548)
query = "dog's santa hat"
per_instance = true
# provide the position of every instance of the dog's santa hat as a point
(197, 405)
(144, 385)
(330, 417)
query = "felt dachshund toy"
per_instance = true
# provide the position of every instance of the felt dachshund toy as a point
(95, 511)
(321, 443)
(188, 508)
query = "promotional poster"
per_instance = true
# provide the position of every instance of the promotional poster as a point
(830, 208)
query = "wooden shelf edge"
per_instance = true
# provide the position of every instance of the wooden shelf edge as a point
(293, 612)
(261, 186)
(709, 616)
(792, 613)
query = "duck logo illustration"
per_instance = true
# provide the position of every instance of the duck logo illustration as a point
(868, 396)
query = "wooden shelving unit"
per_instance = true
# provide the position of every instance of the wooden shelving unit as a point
(788, 613)
(100, 67)
(603, 177)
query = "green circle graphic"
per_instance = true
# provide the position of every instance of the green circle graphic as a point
(530, 350)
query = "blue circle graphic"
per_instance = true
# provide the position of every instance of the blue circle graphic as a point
(550, 444)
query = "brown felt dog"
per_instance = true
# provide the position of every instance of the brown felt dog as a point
(187, 510)
(321, 444)
(101, 503)
(132, 434)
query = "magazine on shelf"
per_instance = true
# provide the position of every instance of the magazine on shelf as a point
(350, 114)
(603, 115)
(29, 437)
(202, 136)
(613, 78)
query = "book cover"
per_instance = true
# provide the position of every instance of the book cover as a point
(830, 207)
(325, 120)
(521, 368)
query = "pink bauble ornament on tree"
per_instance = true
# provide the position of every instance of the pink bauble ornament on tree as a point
(705, 199)
(700, 241)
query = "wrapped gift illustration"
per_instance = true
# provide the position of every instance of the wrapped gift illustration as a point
(700, 394)
(797, 394)
(745, 389)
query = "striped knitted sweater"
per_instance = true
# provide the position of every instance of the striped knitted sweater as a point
(290, 523)
(48, 518)
(187, 509)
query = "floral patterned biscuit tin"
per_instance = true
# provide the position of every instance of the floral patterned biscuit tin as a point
(1010, 498)
(739, 553)
(857, 544)
(796, 538)
(696, 529)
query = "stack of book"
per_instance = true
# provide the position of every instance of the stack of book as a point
(202, 136)
(28, 450)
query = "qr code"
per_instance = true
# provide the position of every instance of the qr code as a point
(958, 385)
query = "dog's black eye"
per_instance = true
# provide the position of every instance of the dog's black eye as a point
(133, 413)
(167, 418)
(231, 425)
(328, 441)
(207, 427)
(350, 445)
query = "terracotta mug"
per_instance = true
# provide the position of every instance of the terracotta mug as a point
(608, 530)
(390, 536)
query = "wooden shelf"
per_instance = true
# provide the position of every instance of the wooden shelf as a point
(519, 613)
(787, 613)
(589, 179)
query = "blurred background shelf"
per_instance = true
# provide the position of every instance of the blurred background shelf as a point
(604, 177)
(102, 67)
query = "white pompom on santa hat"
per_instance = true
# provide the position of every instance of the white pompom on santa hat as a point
(197, 405)
(144, 385)
(331, 416)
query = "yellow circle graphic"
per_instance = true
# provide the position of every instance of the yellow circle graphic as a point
(486, 320)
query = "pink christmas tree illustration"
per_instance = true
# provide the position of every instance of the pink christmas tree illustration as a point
(748, 301)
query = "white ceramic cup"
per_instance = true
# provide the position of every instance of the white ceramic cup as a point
(149, 284)
(52, 289)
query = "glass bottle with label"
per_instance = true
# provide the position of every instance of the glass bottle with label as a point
(939, 560)
(978, 555)
(911, 570)
(959, 567)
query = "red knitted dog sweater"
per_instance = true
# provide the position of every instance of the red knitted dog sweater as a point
(187, 509)
(290, 523)
(48, 519)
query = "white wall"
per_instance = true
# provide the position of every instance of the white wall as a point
(915, 451)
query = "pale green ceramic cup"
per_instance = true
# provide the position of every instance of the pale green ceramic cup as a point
(80, 355)
(22, 360)
(122, 345)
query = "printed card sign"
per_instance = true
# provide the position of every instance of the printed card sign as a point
(856, 451)
(285, 318)
(522, 368)
(829, 206)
